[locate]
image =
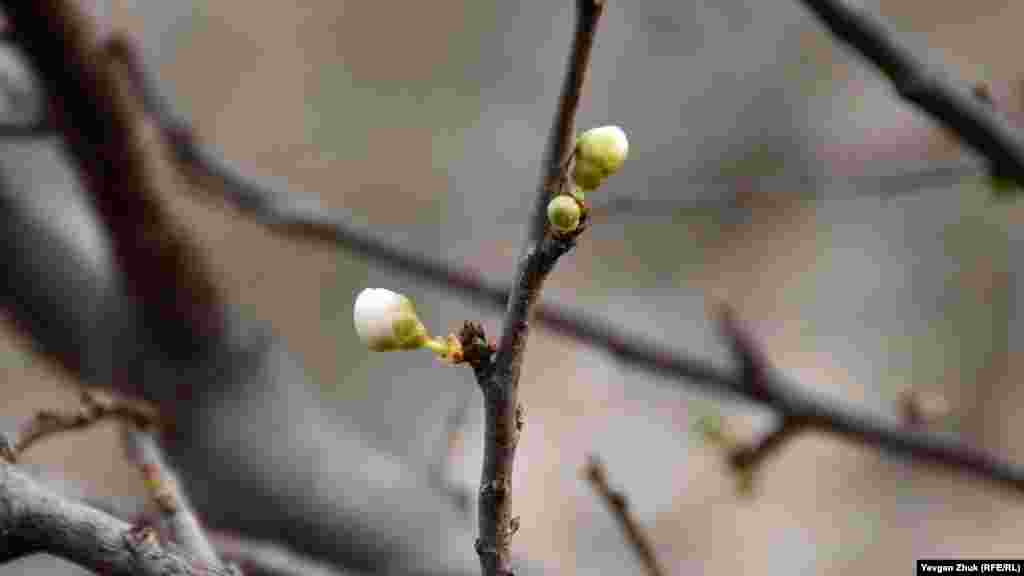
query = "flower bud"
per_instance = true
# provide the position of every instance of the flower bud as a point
(387, 321)
(564, 213)
(600, 152)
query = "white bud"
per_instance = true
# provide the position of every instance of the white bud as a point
(600, 152)
(386, 320)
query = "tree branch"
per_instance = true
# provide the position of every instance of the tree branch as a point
(35, 520)
(958, 109)
(595, 473)
(801, 411)
(164, 487)
(105, 133)
(95, 407)
(541, 250)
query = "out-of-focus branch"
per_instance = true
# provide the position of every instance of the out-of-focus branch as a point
(161, 330)
(165, 488)
(541, 250)
(34, 520)
(119, 158)
(801, 411)
(95, 407)
(978, 124)
(595, 473)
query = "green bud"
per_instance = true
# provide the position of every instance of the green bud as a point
(600, 152)
(564, 213)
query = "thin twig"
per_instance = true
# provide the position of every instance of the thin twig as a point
(595, 473)
(500, 384)
(175, 509)
(95, 407)
(35, 520)
(746, 459)
(958, 109)
(750, 456)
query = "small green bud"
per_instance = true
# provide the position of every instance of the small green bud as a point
(600, 152)
(564, 213)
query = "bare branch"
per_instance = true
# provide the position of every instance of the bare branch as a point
(958, 109)
(760, 383)
(165, 488)
(745, 459)
(595, 473)
(500, 382)
(119, 159)
(95, 407)
(35, 520)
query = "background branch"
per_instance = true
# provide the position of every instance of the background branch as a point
(95, 407)
(35, 520)
(960, 110)
(175, 509)
(500, 385)
(595, 473)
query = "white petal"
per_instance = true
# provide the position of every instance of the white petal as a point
(374, 314)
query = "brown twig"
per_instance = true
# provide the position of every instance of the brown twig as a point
(95, 407)
(500, 383)
(35, 520)
(595, 473)
(164, 487)
(745, 459)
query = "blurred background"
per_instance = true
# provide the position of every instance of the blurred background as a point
(758, 155)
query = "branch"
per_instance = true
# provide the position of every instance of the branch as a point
(105, 134)
(34, 520)
(95, 407)
(801, 411)
(175, 509)
(961, 111)
(595, 473)
(500, 380)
